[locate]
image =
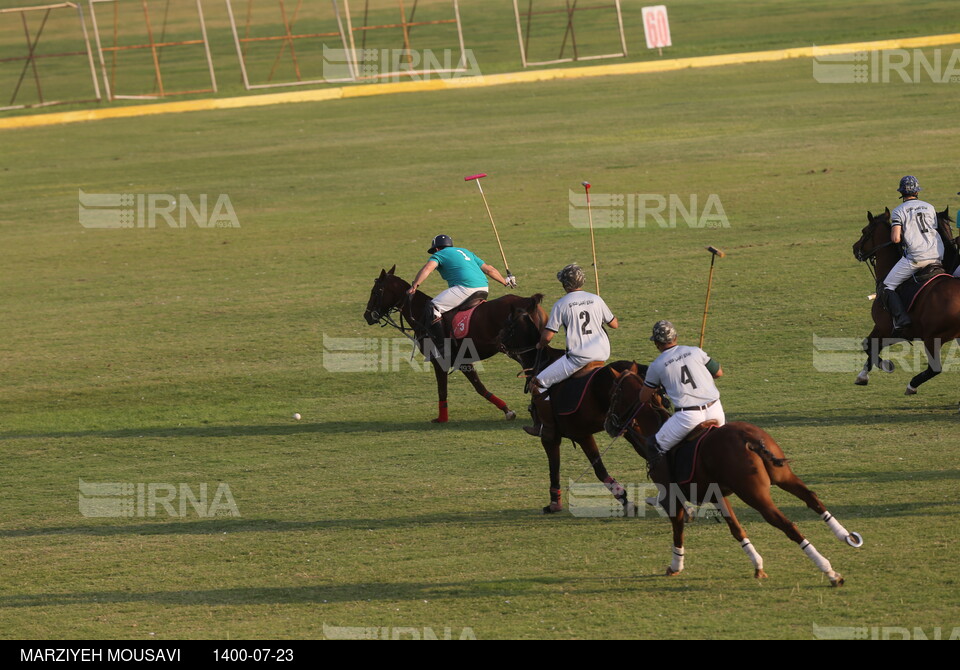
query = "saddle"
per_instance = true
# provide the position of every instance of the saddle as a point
(911, 289)
(682, 459)
(566, 397)
(457, 321)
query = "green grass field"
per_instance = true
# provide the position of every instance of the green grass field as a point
(163, 355)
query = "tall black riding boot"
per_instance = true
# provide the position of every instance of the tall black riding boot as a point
(901, 320)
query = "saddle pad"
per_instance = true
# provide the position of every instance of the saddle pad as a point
(910, 290)
(566, 396)
(683, 458)
(460, 324)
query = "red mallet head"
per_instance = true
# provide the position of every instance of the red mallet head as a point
(586, 185)
(475, 176)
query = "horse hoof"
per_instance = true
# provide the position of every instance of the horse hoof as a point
(887, 366)
(910, 390)
(836, 580)
(759, 574)
(509, 415)
(552, 508)
(862, 381)
(854, 540)
(671, 572)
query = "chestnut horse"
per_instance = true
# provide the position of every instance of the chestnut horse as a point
(518, 339)
(736, 458)
(389, 297)
(935, 314)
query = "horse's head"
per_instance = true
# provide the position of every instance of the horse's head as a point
(944, 221)
(640, 420)
(386, 294)
(874, 236)
(522, 328)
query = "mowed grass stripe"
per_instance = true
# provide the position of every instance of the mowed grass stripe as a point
(526, 77)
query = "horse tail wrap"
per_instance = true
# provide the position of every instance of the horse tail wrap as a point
(760, 449)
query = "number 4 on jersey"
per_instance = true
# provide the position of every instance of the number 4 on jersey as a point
(686, 377)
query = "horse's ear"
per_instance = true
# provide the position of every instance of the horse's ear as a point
(634, 368)
(616, 373)
(869, 215)
(393, 269)
(383, 273)
(887, 210)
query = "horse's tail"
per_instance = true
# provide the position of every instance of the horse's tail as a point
(760, 449)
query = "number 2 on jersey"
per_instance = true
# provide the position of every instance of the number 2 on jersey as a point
(584, 328)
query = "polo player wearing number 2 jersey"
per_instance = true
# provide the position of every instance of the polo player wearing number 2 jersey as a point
(582, 316)
(687, 374)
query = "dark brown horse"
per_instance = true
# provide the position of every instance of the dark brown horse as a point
(736, 458)
(935, 315)
(518, 339)
(388, 298)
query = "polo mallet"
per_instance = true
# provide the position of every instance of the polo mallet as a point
(477, 178)
(714, 252)
(593, 244)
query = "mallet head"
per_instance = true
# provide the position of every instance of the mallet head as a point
(585, 184)
(716, 252)
(475, 176)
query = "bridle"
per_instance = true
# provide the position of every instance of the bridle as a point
(386, 318)
(613, 425)
(871, 257)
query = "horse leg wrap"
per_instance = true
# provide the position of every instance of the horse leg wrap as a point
(817, 559)
(614, 487)
(835, 526)
(443, 417)
(499, 404)
(676, 565)
(751, 553)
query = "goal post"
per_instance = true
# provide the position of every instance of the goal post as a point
(570, 9)
(62, 23)
(153, 28)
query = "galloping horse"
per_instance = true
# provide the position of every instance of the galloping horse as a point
(935, 314)
(518, 339)
(389, 296)
(736, 458)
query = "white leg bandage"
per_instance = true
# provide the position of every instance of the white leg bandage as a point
(614, 487)
(817, 559)
(751, 553)
(835, 526)
(677, 563)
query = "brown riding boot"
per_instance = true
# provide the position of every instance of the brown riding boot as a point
(542, 414)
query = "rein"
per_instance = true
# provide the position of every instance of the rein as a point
(610, 415)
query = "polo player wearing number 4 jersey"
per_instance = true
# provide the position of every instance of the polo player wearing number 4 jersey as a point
(582, 316)
(914, 225)
(687, 374)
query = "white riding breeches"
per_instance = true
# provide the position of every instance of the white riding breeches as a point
(562, 368)
(452, 297)
(680, 424)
